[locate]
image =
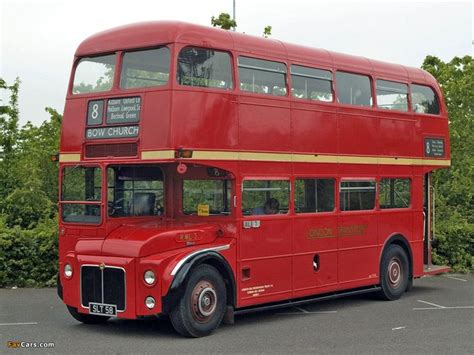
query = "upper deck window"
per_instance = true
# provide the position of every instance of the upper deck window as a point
(392, 95)
(424, 100)
(205, 68)
(311, 84)
(94, 74)
(353, 89)
(262, 76)
(147, 68)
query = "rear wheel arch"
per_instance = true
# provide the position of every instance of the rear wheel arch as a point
(400, 240)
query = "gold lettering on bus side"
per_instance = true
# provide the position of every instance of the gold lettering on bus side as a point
(352, 230)
(317, 233)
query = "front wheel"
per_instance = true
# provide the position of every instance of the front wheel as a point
(201, 308)
(86, 318)
(393, 273)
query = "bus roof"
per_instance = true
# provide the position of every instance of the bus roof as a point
(149, 34)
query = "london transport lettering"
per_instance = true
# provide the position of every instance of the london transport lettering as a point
(342, 231)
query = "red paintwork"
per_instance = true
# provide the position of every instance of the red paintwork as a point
(279, 254)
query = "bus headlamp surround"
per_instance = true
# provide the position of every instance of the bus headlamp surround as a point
(68, 271)
(149, 277)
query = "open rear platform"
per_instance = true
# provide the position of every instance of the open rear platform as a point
(435, 269)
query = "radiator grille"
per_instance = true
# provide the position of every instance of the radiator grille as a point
(111, 150)
(103, 286)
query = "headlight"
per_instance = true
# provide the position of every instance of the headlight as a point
(68, 271)
(149, 277)
(149, 302)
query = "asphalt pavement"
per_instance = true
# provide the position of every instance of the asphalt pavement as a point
(436, 317)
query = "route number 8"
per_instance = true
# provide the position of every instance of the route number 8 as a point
(95, 111)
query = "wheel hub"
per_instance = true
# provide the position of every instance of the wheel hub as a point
(395, 272)
(203, 301)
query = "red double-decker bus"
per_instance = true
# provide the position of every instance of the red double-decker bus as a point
(206, 173)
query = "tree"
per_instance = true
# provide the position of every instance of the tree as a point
(224, 21)
(454, 186)
(9, 117)
(267, 31)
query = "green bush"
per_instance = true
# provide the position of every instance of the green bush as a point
(25, 208)
(28, 257)
(454, 244)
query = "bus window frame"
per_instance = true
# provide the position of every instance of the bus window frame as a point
(288, 178)
(101, 203)
(174, 67)
(379, 190)
(409, 111)
(180, 198)
(310, 66)
(241, 92)
(77, 60)
(435, 92)
(372, 89)
(121, 54)
(120, 218)
(319, 177)
(357, 179)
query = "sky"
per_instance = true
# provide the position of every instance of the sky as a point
(38, 38)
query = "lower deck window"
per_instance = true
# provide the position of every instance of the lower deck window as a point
(394, 193)
(314, 195)
(357, 195)
(206, 197)
(262, 197)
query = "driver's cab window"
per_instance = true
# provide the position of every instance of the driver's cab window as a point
(265, 197)
(206, 197)
(135, 191)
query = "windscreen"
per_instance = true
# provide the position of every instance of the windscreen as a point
(94, 74)
(81, 194)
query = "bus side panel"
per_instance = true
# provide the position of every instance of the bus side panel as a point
(315, 253)
(264, 124)
(308, 134)
(210, 120)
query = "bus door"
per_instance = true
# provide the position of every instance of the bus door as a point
(358, 261)
(264, 270)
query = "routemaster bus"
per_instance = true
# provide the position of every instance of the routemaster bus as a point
(206, 173)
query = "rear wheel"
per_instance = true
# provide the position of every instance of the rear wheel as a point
(201, 308)
(393, 273)
(86, 318)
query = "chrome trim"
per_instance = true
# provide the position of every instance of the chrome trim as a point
(106, 267)
(187, 257)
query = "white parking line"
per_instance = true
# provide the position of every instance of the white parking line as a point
(25, 323)
(455, 278)
(301, 309)
(430, 308)
(398, 328)
(431, 304)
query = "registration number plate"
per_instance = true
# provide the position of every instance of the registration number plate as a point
(102, 309)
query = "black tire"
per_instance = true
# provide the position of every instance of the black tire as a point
(86, 318)
(394, 273)
(201, 308)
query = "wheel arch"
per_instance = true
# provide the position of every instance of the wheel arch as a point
(400, 240)
(212, 258)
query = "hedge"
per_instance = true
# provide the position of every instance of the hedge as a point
(29, 257)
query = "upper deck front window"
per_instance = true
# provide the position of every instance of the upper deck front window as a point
(94, 74)
(148, 68)
(205, 68)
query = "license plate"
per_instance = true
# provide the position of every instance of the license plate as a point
(102, 309)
